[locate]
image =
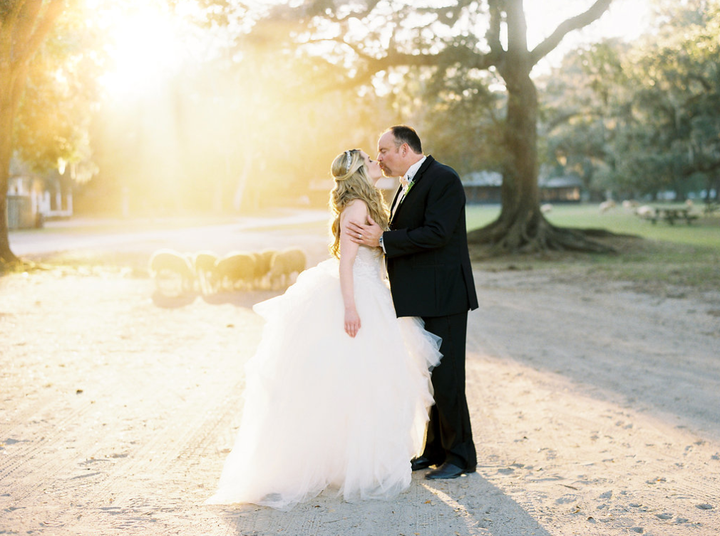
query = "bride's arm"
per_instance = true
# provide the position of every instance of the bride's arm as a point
(355, 211)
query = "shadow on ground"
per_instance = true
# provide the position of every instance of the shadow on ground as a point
(468, 506)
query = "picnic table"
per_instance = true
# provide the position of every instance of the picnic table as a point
(710, 207)
(672, 214)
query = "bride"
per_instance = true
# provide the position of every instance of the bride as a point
(337, 395)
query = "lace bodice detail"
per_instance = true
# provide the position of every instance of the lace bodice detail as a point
(369, 263)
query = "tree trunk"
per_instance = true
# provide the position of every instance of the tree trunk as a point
(7, 119)
(23, 27)
(521, 226)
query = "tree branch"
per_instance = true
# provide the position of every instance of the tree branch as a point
(497, 52)
(6, 30)
(12, 14)
(454, 53)
(341, 41)
(447, 15)
(22, 29)
(320, 9)
(516, 28)
(563, 118)
(451, 54)
(42, 29)
(493, 32)
(575, 23)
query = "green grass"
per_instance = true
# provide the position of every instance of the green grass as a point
(662, 256)
(702, 232)
(480, 215)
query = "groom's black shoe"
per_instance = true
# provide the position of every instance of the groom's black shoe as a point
(421, 462)
(447, 471)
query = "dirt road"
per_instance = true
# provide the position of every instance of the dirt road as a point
(595, 412)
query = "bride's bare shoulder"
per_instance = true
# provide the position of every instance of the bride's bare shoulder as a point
(357, 208)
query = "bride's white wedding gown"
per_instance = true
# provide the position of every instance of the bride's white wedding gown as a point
(324, 410)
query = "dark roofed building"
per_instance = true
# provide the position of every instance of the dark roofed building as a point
(565, 189)
(482, 186)
(485, 186)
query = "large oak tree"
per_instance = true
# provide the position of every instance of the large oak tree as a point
(382, 35)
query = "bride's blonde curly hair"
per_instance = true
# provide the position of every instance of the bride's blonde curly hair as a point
(353, 182)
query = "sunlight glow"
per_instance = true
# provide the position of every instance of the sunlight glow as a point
(147, 49)
(625, 19)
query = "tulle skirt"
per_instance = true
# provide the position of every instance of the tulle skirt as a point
(326, 411)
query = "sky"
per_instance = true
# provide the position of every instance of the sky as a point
(626, 19)
(150, 45)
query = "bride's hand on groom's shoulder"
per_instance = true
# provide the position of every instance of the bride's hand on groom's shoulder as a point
(367, 233)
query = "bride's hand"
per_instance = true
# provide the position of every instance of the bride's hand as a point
(352, 321)
(368, 233)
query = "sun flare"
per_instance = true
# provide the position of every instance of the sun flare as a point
(147, 48)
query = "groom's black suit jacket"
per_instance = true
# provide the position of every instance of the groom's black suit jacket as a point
(426, 248)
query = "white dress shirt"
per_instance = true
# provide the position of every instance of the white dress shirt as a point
(406, 181)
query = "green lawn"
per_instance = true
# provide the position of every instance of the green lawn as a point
(665, 254)
(479, 215)
(702, 232)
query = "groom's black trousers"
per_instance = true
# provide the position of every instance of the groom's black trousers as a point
(449, 437)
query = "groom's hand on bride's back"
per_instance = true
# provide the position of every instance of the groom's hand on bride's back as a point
(368, 233)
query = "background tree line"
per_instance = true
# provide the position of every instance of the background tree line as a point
(639, 119)
(261, 115)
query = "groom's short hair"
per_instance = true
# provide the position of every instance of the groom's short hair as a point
(406, 134)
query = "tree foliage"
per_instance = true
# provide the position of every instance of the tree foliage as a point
(48, 66)
(60, 94)
(650, 119)
(24, 26)
(676, 107)
(580, 104)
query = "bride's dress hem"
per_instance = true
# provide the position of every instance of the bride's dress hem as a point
(324, 411)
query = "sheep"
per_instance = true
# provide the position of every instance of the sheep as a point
(646, 212)
(236, 269)
(173, 273)
(262, 265)
(204, 269)
(629, 205)
(606, 205)
(284, 264)
(547, 207)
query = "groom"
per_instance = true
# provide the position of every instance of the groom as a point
(430, 276)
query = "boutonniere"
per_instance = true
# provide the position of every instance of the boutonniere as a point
(409, 186)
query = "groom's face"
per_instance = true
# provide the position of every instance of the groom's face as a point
(391, 157)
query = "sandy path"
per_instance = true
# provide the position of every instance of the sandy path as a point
(595, 411)
(598, 408)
